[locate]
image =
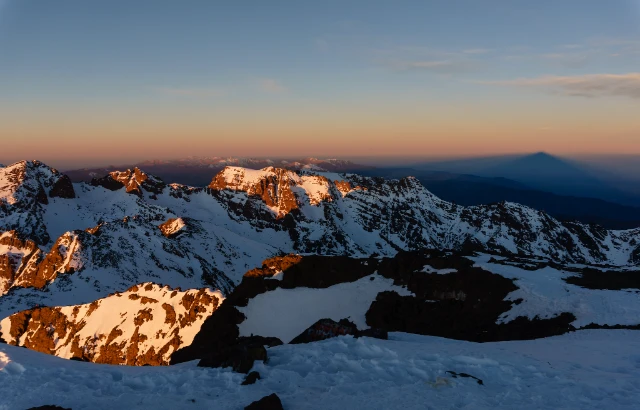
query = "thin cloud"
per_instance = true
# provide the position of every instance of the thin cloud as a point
(269, 85)
(477, 51)
(438, 66)
(581, 55)
(592, 86)
(572, 46)
(437, 61)
(191, 92)
(570, 60)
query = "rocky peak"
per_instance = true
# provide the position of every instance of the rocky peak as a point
(26, 182)
(134, 181)
(24, 188)
(274, 186)
(283, 190)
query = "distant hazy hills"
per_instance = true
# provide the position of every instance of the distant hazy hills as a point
(545, 172)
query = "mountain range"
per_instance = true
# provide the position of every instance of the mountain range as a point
(599, 206)
(129, 269)
(74, 243)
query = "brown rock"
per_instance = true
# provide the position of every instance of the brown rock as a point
(251, 378)
(274, 265)
(167, 228)
(62, 188)
(275, 190)
(239, 357)
(170, 319)
(18, 270)
(134, 181)
(48, 330)
(270, 402)
(143, 315)
(326, 329)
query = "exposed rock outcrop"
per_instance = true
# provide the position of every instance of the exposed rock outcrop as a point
(134, 181)
(173, 227)
(326, 329)
(613, 280)
(143, 325)
(251, 378)
(62, 188)
(241, 355)
(61, 259)
(19, 260)
(270, 402)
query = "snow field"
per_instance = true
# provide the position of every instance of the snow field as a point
(598, 369)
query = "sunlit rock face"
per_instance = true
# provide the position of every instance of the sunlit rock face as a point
(143, 325)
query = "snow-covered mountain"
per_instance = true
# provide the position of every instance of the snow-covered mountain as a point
(143, 325)
(74, 243)
(25, 187)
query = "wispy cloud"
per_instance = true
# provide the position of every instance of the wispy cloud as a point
(593, 85)
(403, 58)
(568, 59)
(191, 92)
(270, 85)
(477, 51)
(571, 46)
(580, 55)
(439, 66)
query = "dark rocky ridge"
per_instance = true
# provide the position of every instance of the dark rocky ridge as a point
(612, 280)
(465, 304)
(62, 188)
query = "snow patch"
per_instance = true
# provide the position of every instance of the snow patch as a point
(285, 313)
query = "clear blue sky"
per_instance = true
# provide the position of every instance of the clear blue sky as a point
(120, 79)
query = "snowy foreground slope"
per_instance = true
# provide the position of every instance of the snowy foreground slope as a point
(595, 369)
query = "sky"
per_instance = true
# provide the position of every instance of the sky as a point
(88, 82)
